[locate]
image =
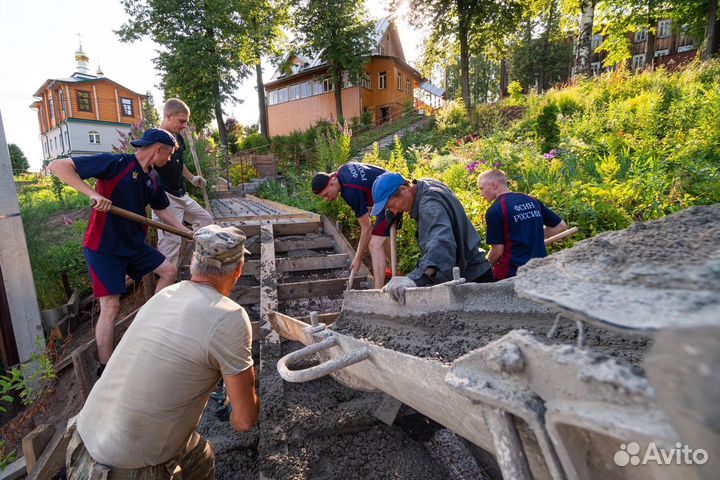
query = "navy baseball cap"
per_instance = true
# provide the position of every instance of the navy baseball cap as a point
(383, 188)
(155, 135)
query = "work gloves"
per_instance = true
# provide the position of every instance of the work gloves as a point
(198, 181)
(396, 288)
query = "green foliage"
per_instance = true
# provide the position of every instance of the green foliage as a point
(515, 89)
(151, 117)
(17, 159)
(453, 118)
(255, 141)
(342, 31)
(333, 146)
(546, 127)
(242, 172)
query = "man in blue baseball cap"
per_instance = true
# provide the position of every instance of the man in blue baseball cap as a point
(115, 246)
(446, 236)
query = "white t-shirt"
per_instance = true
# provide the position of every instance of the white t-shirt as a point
(152, 394)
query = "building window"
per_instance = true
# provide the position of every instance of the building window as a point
(272, 97)
(294, 92)
(51, 107)
(664, 28)
(365, 81)
(596, 41)
(596, 68)
(94, 137)
(126, 105)
(282, 95)
(381, 50)
(638, 61)
(327, 84)
(382, 80)
(305, 89)
(317, 86)
(408, 86)
(662, 53)
(62, 102)
(641, 36)
(399, 81)
(83, 101)
(67, 139)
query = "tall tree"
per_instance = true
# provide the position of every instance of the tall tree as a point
(341, 32)
(18, 160)
(151, 118)
(475, 26)
(265, 21)
(584, 51)
(205, 50)
(699, 20)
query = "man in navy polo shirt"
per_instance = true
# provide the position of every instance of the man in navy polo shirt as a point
(354, 181)
(517, 225)
(115, 246)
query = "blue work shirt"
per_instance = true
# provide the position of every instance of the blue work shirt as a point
(121, 179)
(356, 180)
(516, 220)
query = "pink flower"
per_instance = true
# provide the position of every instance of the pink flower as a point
(497, 164)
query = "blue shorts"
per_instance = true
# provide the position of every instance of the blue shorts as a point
(107, 272)
(381, 227)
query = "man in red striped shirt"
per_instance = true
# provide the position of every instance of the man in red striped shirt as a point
(517, 225)
(115, 246)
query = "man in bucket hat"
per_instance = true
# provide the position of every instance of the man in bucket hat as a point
(140, 418)
(447, 238)
(115, 246)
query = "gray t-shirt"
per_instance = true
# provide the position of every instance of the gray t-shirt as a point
(150, 397)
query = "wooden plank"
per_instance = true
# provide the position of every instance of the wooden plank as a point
(300, 226)
(251, 268)
(246, 295)
(258, 218)
(326, 318)
(290, 243)
(300, 264)
(268, 277)
(15, 470)
(85, 369)
(342, 245)
(316, 288)
(52, 459)
(34, 443)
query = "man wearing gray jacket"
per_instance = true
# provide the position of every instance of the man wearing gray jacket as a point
(446, 236)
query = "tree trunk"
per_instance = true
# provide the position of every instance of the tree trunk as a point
(222, 132)
(584, 45)
(338, 95)
(503, 78)
(549, 23)
(712, 32)
(264, 130)
(650, 44)
(464, 63)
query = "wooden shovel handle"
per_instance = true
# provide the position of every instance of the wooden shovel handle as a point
(561, 235)
(120, 212)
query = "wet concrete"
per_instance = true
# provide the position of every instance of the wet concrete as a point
(445, 337)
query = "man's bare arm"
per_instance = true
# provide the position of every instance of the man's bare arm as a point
(169, 219)
(243, 398)
(550, 231)
(64, 169)
(495, 253)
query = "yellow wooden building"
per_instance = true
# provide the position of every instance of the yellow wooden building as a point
(84, 114)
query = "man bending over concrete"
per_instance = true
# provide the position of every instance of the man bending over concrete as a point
(140, 418)
(175, 119)
(517, 225)
(447, 238)
(115, 246)
(354, 182)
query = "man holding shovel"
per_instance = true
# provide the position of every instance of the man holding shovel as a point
(115, 246)
(447, 238)
(175, 119)
(354, 182)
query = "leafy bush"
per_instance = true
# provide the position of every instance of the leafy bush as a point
(255, 141)
(242, 172)
(453, 118)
